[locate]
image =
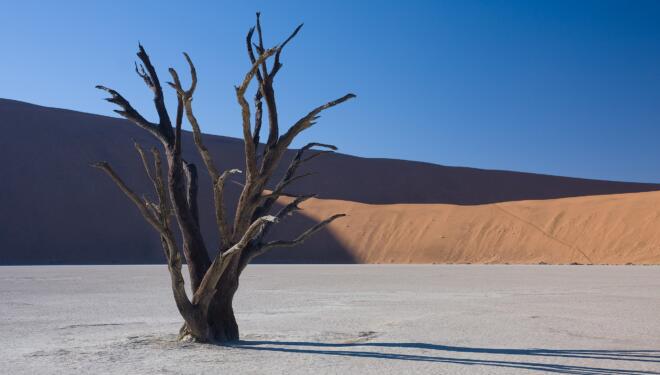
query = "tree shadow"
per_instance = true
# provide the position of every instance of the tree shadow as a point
(353, 350)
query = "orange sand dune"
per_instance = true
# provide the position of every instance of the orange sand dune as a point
(55, 209)
(612, 229)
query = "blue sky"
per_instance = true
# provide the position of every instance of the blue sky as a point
(560, 87)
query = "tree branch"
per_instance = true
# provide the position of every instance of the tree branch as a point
(258, 117)
(165, 125)
(277, 65)
(269, 94)
(290, 177)
(128, 112)
(163, 199)
(272, 159)
(145, 164)
(298, 160)
(163, 130)
(250, 51)
(258, 105)
(220, 213)
(192, 188)
(183, 183)
(139, 203)
(293, 206)
(260, 47)
(263, 248)
(250, 154)
(179, 121)
(172, 256)
(186, 96)
(308, 121)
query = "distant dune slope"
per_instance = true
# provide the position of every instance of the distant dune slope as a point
(612, 229)
(54, 208)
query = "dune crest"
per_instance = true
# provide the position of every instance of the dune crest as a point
(611, 229)
(58, 210)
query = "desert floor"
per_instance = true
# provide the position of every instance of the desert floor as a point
(470, 319)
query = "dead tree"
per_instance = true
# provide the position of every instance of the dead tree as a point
(208, 314)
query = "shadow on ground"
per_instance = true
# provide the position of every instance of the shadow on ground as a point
(354, 350)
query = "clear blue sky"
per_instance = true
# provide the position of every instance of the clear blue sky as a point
(560, 87)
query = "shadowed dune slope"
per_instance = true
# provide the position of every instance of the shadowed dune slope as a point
(54, 208)
(610, 229)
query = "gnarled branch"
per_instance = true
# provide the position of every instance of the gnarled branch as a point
(277, 65)
(128, 112)
(220, 213)
(164, 124)
(163, 199)
(302, 237)
(250, 154)
(272, 159)
(192, 188)
(307, 121)
(186, 96)
(265, 80)
(161, 224)
(290, 175)
(145, 164)
(139, 203)
(163, 130)
(258, 105)
(264, 247)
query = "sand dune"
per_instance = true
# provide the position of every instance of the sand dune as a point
(55, 209)
(612, 229)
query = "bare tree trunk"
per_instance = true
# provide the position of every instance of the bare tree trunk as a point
(221, 320)
(208, 314)
(221, 313)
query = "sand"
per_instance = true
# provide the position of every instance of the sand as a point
(371, 319)
(58, 210)
(608, 229)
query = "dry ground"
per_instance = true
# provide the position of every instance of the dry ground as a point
(340, 319)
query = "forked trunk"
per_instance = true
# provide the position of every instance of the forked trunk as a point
(219, 324)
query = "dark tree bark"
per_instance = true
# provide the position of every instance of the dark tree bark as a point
(208, 314)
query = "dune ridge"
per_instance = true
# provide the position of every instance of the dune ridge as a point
(55, 209)
(611, 229)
